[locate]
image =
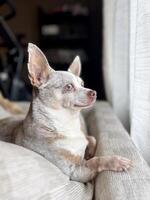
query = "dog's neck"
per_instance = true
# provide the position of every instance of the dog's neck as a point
(60, 120)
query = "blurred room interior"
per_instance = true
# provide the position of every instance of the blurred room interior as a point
(62, 29)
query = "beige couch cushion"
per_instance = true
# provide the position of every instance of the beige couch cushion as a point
(25, 175)
(113, 139)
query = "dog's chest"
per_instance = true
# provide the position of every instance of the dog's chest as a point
(74, 141)
(75, 145)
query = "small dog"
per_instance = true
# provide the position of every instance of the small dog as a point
(52, 126)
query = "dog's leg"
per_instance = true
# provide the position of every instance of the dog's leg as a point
(91, 147)
(89, 168)
(73, 165)
(84, 170)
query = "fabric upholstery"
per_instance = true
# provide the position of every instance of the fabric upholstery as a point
(26, 175)
(113, 139)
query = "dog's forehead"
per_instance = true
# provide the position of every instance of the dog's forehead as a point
(59, 78)
(65, 76)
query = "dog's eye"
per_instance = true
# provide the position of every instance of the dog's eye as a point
(82, 83)
(69, 87)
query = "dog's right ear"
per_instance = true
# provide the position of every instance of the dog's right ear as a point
(38, 66)
(75, 67)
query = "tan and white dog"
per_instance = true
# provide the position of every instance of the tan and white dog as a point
(52, 126)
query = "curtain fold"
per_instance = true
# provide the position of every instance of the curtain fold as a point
(140, 75)
(116, 56)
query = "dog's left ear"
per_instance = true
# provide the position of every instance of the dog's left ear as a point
(75, 67)
(38, 66)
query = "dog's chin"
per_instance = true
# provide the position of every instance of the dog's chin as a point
(83, 106)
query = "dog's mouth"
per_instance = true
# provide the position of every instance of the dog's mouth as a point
(84, 105)
(81, 106)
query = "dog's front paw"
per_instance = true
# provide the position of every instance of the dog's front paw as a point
(118, 163)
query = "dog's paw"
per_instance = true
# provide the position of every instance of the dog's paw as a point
(118, 163)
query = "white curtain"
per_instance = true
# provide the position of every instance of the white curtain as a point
(127, 66)
(116, 56)
(140, 75)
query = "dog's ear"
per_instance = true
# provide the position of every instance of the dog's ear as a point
(75, 67)
(38, 67)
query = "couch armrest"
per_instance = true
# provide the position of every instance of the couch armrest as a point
(113, 139)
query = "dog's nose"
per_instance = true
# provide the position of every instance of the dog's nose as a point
(91, 93)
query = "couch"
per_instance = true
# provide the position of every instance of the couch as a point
(25, 175)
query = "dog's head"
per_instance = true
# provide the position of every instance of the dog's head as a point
(58, 89)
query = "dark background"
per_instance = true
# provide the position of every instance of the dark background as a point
(61, 28)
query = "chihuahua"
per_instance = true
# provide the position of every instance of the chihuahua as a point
(52, 126)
